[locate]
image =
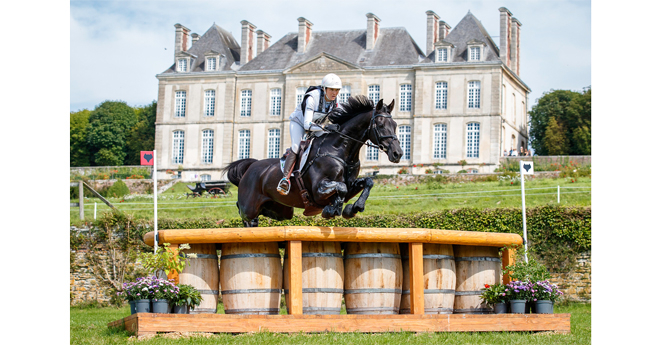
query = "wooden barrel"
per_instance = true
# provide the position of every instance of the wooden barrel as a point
(439, 279)
(251, 278)
(475, 267)
(202, 273)
(373, 278)
(322, 278)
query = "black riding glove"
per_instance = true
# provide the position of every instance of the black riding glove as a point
(332, 127)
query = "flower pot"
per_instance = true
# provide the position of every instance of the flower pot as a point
(500, 308)
(159, 306)
(544, 307)
(517, 306)
(132, 304)
(143, 306)
(180, 309)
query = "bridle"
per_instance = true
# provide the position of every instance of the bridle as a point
(373, 128)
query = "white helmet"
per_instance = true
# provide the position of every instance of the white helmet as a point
(332, 81)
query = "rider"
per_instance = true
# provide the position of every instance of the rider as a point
(321, 99)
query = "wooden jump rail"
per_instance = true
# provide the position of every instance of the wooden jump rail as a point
(417, 321)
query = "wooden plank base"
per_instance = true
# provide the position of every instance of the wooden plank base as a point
(148, 323)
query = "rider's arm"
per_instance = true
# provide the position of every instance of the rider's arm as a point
(309, 115)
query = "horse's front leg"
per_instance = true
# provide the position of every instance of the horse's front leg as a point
(325, 190)
(363, 184)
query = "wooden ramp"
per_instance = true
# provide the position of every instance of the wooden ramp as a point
(148, 323)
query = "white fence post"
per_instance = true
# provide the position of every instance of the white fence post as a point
(558, 193)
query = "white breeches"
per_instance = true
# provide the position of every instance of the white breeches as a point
(297, 132)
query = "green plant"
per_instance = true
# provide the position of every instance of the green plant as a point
(530, 271)
(462, 171)
(189, 295)
(118, 190)
(403, 170)
(496, 293)
(164, 260)
(544, 290)
(462, 163)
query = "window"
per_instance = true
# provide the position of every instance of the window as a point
(243, 144)
(246, 102)
(475, 53)
(515, 109)
(209, 102)
(441, 95)
(440, 141)
(211, 64)
(374, 93)
(275, 102)
(474, 94)
(405, 97)
(182, 65)
(404, 139)
(206, 177)
(473, 140)
(300, 92)
(441, 55)
(344, 93)
(177, 147)
(372, 152)
(207, 146)
(273, 143)
(180, 104)
(504, 101)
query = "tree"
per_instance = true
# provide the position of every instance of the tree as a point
(143, 135)
(79, 155)
(572, 112)
(109, 125)
(555, 142)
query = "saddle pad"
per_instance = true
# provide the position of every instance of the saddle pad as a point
(303, 158)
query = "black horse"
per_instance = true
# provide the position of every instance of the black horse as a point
(331, 174)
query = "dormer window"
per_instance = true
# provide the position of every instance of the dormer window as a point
(212, 61)
(443, 51)
(442, 54)
(475, 54)
(184, 62)
(475, 50)
(182, 65)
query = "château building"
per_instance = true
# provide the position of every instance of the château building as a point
(461, 98)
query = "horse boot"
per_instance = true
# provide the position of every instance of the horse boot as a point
(285, 183)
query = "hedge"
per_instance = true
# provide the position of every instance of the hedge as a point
(556, 234)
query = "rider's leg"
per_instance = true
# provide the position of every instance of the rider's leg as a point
(296, 136)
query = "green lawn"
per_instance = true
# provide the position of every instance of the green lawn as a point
(384, 198)
(89, 326)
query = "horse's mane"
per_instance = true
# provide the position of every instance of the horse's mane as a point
(355, 105)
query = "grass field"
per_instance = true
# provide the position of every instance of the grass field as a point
(89, 326)
(419, 197)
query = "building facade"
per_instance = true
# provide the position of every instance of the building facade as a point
(461, 99)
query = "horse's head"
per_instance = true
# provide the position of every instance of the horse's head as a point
(382, 131)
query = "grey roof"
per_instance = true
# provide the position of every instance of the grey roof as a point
(468, 29)
(216, 39)
(394, 46)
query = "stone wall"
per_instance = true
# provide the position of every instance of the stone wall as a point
(576, 284)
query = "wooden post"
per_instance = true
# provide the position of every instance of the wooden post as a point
(173, 248)
(294, 252)
(81, 200)
(507, 259)
(416, 261)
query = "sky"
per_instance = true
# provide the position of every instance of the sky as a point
(118, 47)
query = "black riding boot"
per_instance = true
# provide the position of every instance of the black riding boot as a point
(285, 184)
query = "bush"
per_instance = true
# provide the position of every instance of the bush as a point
(117, 190)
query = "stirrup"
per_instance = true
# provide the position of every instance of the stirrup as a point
(283, 190)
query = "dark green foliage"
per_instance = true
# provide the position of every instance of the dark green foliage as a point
(109, 124)
(572, 112)
(117, 190)
(555, 142)
(79, 155)
(143, 135)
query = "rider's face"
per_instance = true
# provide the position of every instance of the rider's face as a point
(331, 94)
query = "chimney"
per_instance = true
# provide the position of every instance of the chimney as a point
(505, 35)
(195, 38)
(431, 31)
(444, 30)
(263, 41)
(247, 41)
(304, 34)
(180, 38)
(515, 46)
(373, 23)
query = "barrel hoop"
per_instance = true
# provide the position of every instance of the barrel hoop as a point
(209, 292)
(391, 310)
(473, 311)
(198, 256)
(232, 292)
(373, 255)
(468, 293)
(431, 291)
(204, 311)
(430, 311)
(254, 255)
(376, 290)
(478, 258)
(430, 256)
(318, 255)
(318, 290)
(252, 310)
(333, 310)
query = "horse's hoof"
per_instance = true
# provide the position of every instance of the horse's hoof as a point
(327, 214)
(357, 208)
(348, 212)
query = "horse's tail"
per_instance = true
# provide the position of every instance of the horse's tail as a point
(236, 169)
